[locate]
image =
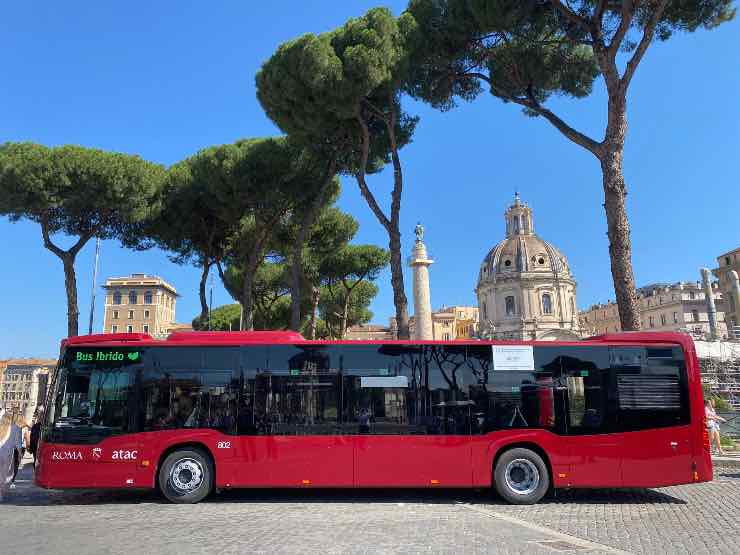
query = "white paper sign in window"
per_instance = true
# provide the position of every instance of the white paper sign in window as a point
(389, 381)
(513, 357)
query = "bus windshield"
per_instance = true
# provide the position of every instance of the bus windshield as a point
(92, 392)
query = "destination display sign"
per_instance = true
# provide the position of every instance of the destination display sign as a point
(106, 357)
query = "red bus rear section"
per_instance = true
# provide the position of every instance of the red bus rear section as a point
(201, 411)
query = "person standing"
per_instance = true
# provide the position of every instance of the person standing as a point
(9, 461)
(713, 420)
(33, 442)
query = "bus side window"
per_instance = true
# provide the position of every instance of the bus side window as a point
(190, 387)
(651, 386)
(585, 379)
(512, 399)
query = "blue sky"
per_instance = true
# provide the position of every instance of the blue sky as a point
(164, 79)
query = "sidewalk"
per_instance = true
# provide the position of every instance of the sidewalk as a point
(731, 459)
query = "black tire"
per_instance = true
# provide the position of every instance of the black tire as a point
(186, 476)
(521, 476)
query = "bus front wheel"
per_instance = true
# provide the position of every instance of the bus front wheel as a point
(186, 476)
(521, 476)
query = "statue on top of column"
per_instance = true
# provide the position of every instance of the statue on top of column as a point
(419, 230)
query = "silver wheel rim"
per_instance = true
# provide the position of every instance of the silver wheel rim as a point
(522, 476)
(186, 475)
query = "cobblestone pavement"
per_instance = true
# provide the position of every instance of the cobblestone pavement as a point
(704, 518)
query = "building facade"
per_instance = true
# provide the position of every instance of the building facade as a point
(663, 307)
(728, 263)
(525, 288)
(448, 323)
(455, 322)
(23, 385)
(139, 304)
(369, 332)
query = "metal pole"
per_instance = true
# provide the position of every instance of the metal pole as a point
(210, 306)
(94, 285)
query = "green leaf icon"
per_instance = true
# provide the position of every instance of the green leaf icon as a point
(133, 356)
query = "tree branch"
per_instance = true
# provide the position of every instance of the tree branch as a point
(84, 238)
(647, 38)
(390, 124)
(576, 136)
(47, 240)
(628, 12)
(570, 15)
(599, 12)
(360, 176)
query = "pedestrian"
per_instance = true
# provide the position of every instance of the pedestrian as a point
(9, 461)
(33, 442)
(713, 420)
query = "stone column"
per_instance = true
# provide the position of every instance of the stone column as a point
(711, 309)
(420, 263)
(735, 292)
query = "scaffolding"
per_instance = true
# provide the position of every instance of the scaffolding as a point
(720, 369)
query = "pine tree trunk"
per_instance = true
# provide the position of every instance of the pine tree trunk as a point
(345, 315)
(202, 292)
(391, 225)
(297, 258)
(399, 292)
(295, 281)
(315, 296)
(70, 284)
(247, 323)
(399, 295)
(618, 228)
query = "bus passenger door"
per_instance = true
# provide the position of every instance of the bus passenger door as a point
(392, 450)
(595, 455)
(289, 434)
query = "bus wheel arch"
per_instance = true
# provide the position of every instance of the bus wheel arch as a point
(195, 455)
(528, 453)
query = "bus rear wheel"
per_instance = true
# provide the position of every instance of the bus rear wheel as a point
(521, 476)
(186, 476)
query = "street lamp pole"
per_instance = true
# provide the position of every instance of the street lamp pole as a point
(210, 306)
(94, 285)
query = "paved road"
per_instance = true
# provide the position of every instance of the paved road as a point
(696, 519)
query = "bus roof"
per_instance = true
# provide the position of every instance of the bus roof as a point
(234, 338)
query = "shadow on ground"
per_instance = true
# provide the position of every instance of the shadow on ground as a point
(26, 494)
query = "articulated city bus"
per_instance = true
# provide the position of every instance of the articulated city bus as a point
(216, 410)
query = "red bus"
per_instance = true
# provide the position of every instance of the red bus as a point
(216, 410)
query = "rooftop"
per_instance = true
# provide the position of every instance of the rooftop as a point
(139, 280)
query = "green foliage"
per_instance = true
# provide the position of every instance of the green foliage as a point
(531, 49)
(519, 49)
(314, 87)
(340, 271)
(348, 291)
(75, 190)
(223, 318)
(356, 262)
(727, 442)
(720, 403)
(81, 192)
(340, 92)
(358, 295)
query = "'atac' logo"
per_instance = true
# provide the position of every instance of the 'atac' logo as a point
(66, 456)
(124, 455)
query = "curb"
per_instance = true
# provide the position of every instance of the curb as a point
(725, 462)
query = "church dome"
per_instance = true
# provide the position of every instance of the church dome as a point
(525, 288)
(522, 250)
